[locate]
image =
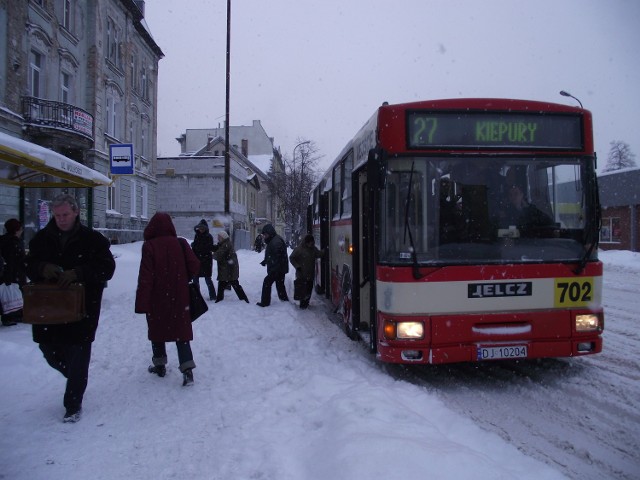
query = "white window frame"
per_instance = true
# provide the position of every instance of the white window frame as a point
(113, 42)
(134, 198)
(144, 86)
(144, 204)
(67, 15)
(113, 114)
(113, 197)
(143, 140)
(65, 87)
(36, 74)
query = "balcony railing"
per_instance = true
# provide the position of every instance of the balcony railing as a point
(47, 113)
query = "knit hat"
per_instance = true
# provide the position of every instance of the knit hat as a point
(12, 225)
(222, 235)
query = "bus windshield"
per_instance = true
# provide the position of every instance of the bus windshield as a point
(467, 210)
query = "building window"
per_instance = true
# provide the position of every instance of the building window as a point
(113, 114)
(113, 42)
(36, 74)
(144, 200)
(67, 15)
(132, 132)
(611, 231)
(134, 72)
(113, 197)
(143, 138)
(134, 198)
(144, 87)
(65, 80)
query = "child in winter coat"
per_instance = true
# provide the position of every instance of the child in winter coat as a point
(228, 268)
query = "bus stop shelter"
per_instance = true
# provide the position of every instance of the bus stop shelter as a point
(28, 165)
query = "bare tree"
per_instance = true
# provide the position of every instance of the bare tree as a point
(293, 186)
(620, 156)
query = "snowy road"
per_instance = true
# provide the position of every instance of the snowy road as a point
(580, 415)
(283, 394)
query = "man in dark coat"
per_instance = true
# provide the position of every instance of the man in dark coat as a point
(12, 251)
(228, 267)
(65, 251)
(202, 246)
(277, 263)
(523, 214)
(166, 265)
(303, 259)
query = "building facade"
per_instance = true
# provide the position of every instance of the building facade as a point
(252, 204)
(620, 201)
(191, 187)
(76, 77)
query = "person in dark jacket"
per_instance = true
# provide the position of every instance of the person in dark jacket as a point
(166, 266)
(228, 267)
(65, 251)
(258, 245)
(12, 251)
(303, 259)
(277, 263)
(202, 246)
(521, 213)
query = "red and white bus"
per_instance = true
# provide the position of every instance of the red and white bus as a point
(464, 230)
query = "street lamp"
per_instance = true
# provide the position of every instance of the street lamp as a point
(567, 94)
(294, 149)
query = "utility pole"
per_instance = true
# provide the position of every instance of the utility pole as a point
(227, 160)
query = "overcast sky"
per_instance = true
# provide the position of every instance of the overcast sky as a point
(318, 69)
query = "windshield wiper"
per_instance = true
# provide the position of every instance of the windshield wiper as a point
(407, 229)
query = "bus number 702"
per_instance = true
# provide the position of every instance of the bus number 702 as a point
(574, 293)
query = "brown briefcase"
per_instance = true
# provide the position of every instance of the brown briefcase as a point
(49, 304)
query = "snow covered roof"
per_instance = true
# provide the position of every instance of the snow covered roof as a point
(620, 188)
(263, 162)
(21, 161)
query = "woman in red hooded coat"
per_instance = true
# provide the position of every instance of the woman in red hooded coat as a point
(166, 266)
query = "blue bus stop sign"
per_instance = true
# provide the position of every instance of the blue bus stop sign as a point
(121, 159)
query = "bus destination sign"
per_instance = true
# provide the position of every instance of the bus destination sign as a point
(488, 130)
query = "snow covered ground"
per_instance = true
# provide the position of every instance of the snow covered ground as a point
(283, 394)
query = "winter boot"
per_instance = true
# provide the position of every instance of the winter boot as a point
(72, 415)
(159, 370)
(187, 378)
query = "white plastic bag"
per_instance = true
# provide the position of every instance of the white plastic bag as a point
(10, 298)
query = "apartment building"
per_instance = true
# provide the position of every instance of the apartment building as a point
(76, 77)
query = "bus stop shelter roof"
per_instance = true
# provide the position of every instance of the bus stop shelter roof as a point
(23, 163)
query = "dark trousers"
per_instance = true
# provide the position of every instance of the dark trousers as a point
(269, 280)
(235, 284)
(304, 288)
(210, 287)
(72, 361)
(185, 356)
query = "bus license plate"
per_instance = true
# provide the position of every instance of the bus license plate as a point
(501, 353)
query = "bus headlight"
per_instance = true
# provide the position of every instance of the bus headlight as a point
(403, 330)
(589, 322)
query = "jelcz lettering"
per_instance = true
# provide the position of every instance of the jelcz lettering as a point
(511, 289)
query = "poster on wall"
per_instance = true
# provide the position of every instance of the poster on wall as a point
(44, 214)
